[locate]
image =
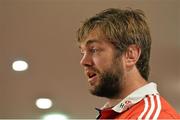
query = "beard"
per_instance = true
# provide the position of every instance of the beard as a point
(110, 84)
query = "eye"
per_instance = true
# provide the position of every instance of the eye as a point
(94, 50)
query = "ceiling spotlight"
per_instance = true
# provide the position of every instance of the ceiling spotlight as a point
(55, 117)
(19, 65)
(43, 103)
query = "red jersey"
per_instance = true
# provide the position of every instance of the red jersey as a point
(143, 103)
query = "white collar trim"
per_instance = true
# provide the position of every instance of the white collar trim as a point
(135, 97)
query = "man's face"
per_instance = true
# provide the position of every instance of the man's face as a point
(101, 65)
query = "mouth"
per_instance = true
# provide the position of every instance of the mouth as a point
(91, 77)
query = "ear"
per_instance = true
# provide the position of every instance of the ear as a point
(132, 55)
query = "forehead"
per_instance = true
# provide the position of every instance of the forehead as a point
(94, 36)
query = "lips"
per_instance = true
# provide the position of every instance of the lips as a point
(91, 76)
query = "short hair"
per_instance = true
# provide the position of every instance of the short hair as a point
(122, 27)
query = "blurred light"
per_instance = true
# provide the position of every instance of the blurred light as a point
(43, 103)
(55, 117)
(19, 65)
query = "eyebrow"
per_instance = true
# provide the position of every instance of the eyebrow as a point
(91, 41)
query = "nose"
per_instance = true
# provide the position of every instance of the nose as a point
(86, 60)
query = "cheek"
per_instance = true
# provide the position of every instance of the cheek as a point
(102, 63)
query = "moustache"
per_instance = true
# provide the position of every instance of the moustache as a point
(92, 69)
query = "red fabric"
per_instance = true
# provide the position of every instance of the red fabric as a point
(161, 110)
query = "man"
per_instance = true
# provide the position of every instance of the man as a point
(115, 46)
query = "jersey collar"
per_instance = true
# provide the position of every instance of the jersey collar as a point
(135, 97)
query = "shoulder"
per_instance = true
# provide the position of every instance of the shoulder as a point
(167, 111)
(153, 107)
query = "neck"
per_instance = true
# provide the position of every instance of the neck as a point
(131, 82)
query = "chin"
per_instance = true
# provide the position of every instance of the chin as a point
(92, 89)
